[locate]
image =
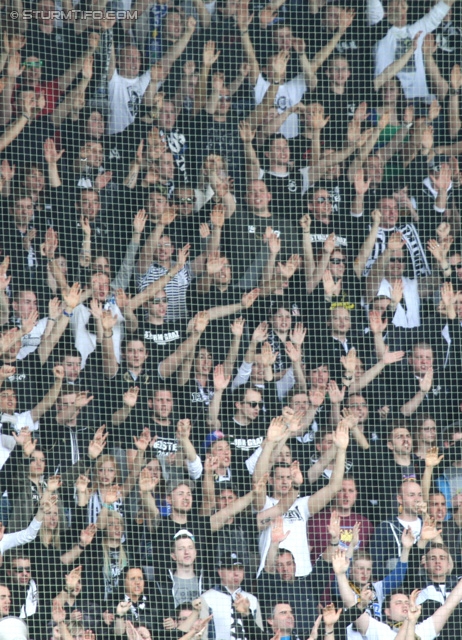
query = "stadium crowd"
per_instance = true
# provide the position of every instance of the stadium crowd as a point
(231, 319)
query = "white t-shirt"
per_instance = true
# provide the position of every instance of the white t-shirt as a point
(125, 96)
(294, 521)
(85, 342)
(31, 341)
(395, 44)
(289, 94)
(220, 604)
(14, 422)
(380, 631)
(408, 315)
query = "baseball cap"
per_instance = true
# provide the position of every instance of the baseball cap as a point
(230, 560)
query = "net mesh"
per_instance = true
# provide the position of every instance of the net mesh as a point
(230, 307)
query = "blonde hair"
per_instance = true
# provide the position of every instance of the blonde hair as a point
(56, 534)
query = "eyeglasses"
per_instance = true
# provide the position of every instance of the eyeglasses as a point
(184, 200)
(21, 569)
(158, 300)
(322, 200)
(254, 404)
(225, 98)
(337, 261)
(400, 260)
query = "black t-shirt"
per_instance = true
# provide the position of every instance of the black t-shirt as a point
(162, 339)
(198, 526)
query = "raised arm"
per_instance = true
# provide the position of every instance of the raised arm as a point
(321, 498)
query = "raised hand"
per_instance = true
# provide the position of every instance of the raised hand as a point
(143, 441)
(242, 605)
(277, 430)
(392, 357)
(429, 531)
(51, 155)
(277, 531)
(261, 332)
(249, 298)
(432, 459)
(331, 615)
(268, 358)
(139, 221)
(246, 132)
(53, 483)
(87, 535)
(293, 351)
(72, 297)
(305, 222)
(340, 562)
(335, 528)
(29, 323)
(377, 324)
(407, 538)
(131, 397)
(201, 321)
(297, 334)
(336, 395)
(96, 446)
(183, 429)
(426, 382)
(147, 482)
(341, 435)
(317, 397)
(295, 473)
(237, 327)
(349, 361)
(220, 381)
(82, 483)
(331, 288)
(73, 578)
(209, 57)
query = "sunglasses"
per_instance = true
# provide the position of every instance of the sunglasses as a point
(322, 200)
(225, 98)
(337, 261)
(254, 404)
(33, 63)
(184, 200)
(159, 300)
(458, 265)
(400, 260)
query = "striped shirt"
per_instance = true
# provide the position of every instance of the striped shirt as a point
(176, 289)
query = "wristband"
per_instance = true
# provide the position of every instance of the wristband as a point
(295, 486)
(347, 377)
(408, 125)
(24, 115)
(244, 32)
(454, 92)
(51, 319)
(109, 507)
(274, 82)
(334, 544)
(105, 336)
(80, 546)
(120, 615)
(329, 633)
(67, 314)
